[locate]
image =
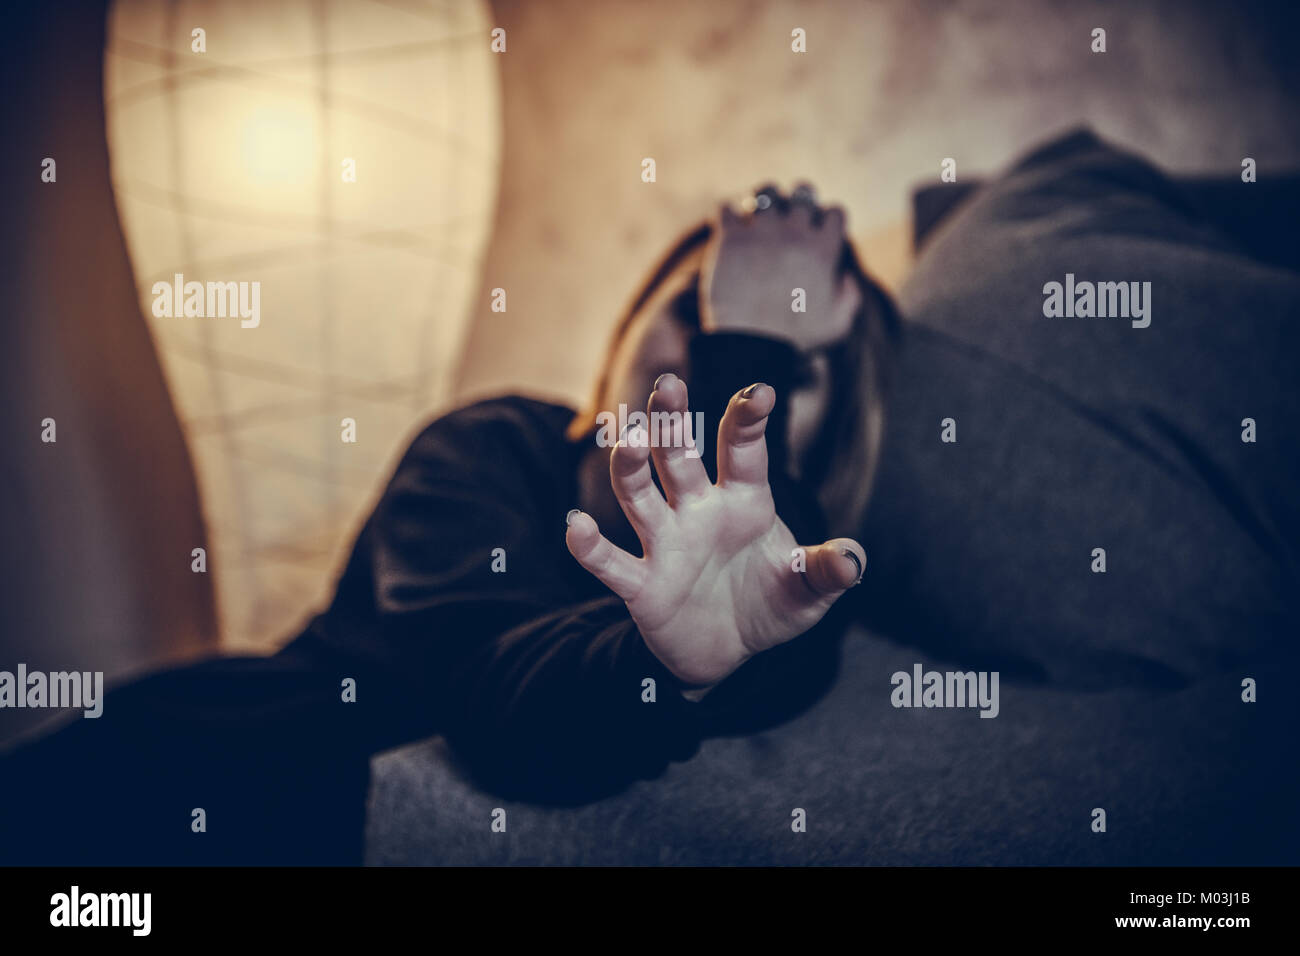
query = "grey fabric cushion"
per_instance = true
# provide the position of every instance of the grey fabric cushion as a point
(1185, 777)
(1079, 433)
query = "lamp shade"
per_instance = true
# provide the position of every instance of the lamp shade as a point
(307, 190)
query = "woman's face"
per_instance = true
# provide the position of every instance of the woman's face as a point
(658, 341)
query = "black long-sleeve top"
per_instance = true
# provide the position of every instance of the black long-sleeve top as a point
(535, 674)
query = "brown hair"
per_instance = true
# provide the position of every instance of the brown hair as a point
(843, 459)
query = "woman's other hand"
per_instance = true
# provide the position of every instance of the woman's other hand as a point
(756, 262)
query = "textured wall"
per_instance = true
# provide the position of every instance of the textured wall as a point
(885, 91)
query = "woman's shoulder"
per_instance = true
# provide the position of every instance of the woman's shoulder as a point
(509, 411)
(508, 429)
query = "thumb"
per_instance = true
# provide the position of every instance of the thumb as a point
(835, 566)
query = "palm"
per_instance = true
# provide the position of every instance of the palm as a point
(716, 584)
(719, 581)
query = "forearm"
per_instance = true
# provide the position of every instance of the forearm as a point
(569, 706)
(266, 748)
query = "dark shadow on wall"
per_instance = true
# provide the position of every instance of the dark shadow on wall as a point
(98, 526)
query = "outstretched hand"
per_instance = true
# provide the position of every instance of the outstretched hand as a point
(722, 577)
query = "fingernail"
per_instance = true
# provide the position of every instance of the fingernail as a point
(568, 519)
(749, 392)
(857, 563)
(662, 379)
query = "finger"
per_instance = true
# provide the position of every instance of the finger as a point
(742, 447)
(803, 204)
(770, 200)
(834, 221)
(835, 566)
(729, 219)
(614, 567)
(634, 486)
(681, 471)
(804, 192)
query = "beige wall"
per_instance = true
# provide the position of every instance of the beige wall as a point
(886, 90)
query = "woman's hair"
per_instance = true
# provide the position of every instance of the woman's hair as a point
(841, 462)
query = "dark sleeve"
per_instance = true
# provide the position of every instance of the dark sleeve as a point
(469, 618)
(266, 748)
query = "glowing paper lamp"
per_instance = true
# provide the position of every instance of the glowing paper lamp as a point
(343, 157)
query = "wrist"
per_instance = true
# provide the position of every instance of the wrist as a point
(696, 684)
(696, 694)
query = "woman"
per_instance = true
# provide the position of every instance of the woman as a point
(534, 671)
(460, 613)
